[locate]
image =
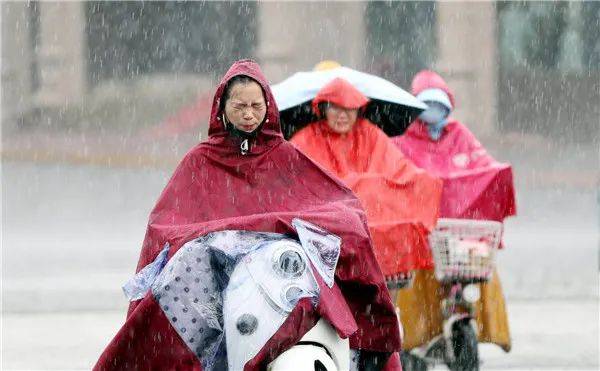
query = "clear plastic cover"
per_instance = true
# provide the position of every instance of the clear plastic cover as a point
(240, 283)
(322, 247)
(137, 287)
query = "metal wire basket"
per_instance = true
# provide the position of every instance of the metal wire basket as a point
(464, 249)
(403, 280)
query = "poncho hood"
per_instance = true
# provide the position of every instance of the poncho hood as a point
(427, 79)
(341, 93)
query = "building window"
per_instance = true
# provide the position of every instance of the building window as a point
(549, 35)
(34, 41)
(549, 68)
(126, 39)
(400, 39)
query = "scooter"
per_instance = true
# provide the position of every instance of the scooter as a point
(464, 256)
(262, 290)
(228, 292)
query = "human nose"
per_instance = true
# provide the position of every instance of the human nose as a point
(247, 113)
(343, 113)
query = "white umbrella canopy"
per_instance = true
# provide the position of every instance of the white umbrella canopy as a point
(391, 107)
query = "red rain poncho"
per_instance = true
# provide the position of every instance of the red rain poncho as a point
(215, 188)
(400, 199)
(475, 185)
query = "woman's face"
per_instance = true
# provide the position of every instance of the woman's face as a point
(246, 109)
(340, 120)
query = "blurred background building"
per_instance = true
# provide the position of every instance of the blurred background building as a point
(512, 64)
(100, 100)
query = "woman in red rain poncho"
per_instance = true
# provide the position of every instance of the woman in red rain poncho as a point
(247, 177)
(401, 200)
(475, 187)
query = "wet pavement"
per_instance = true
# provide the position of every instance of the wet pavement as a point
(546, 334)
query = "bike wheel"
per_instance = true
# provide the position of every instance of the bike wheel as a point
(464, 343)
(410, 362)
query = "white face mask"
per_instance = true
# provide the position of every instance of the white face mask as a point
(436, 113)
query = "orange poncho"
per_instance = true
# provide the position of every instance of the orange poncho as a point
(401, 200)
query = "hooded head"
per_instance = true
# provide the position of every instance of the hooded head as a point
(341, 93)
(339, 101)
(427, 82)
(430, 88)
(256, 130)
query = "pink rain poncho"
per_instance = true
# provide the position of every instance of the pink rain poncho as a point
(475, 185)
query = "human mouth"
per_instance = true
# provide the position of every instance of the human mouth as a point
(248, 127)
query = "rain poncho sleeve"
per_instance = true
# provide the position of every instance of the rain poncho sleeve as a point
(401, 200)
(215, 188)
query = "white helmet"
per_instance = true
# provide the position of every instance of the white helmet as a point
(321, 349)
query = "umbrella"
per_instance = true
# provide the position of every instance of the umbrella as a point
(390, 107)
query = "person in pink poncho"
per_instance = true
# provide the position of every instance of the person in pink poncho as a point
(475, 187)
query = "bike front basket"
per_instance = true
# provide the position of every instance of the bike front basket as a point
(465, 250)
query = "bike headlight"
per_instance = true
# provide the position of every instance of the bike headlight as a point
(288, 263)
(291, 294)
(471, 293)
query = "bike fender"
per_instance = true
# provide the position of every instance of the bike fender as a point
(449, 323)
